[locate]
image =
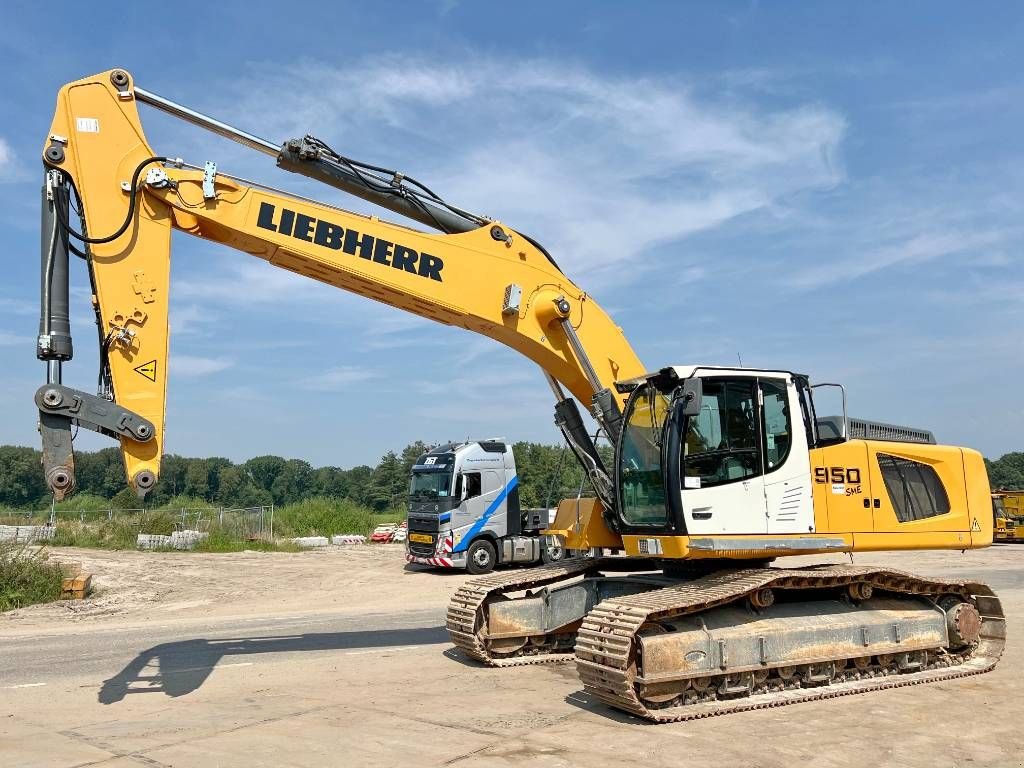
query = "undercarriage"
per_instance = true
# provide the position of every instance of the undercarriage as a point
(728, 640)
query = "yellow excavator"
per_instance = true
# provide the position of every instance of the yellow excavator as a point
(1008, 515)
(717, 471)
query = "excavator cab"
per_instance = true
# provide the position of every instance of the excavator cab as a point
(702, 450)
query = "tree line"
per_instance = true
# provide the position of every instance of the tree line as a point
(1007, 471)
(546, 472)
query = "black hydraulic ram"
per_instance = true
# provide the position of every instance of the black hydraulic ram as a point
(61, 407)
(570, 422)
(310, 157)
(54, 345)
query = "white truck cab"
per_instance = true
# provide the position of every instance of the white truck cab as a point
(464, 510)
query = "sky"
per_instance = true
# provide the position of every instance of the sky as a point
(827, 188)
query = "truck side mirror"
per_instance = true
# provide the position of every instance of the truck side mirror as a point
(690, 397)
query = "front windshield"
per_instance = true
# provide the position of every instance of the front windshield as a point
(430, 485)
(640, 476)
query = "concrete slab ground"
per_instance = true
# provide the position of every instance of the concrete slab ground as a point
(340, 658)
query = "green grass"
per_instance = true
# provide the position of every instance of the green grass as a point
(222, 541)
(228, 532)
(119, 533)
(326, 517)
(26, 577)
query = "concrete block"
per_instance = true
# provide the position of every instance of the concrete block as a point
(311, 542)
(27, 534)
(347, 538)
(152, 541)
(187, 539)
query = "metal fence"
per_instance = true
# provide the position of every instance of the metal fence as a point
(237, 522)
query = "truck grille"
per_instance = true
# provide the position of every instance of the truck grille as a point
(425, 524)
(421, 550)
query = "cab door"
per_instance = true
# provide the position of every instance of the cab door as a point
(787, 466)
(722, 476)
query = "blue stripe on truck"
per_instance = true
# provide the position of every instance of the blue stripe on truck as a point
(479, 524)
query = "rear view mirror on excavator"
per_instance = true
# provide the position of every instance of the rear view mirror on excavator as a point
(691, 395)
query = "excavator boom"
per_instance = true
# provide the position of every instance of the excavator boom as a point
(477, 274)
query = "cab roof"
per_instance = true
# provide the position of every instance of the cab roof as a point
(679, 372)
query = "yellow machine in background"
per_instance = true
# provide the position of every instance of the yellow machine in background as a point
(1008, 515)
(716, 471)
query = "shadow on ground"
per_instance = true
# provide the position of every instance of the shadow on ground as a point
(181, 667)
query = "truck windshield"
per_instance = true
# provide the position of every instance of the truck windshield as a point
(430, 485)
(640, 475)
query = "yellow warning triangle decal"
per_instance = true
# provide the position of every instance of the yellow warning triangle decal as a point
(148, 370)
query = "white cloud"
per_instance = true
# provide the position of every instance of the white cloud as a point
(18, 306)
(600, 168)
(8, 339)
(914, 250)
(187, 319)
(339, 378)
(190, 366)
(6, 159)
(243, 282)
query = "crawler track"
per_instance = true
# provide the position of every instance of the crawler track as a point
(606, 645)
(465, 618)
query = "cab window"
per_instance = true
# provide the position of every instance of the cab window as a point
(639, 472)
(777, 423)
(472, 480)
(721, 443)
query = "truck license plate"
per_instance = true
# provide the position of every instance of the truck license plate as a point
(421, 538)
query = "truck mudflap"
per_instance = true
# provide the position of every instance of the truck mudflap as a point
(921, 631)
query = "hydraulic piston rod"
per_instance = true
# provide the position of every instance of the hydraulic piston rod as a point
(297, 157)
(207, 122)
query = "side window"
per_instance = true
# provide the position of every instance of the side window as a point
(915, 490)
(472, 481)
(777, 423)
(721, 444)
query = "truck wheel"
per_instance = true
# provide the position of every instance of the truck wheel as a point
(481, 557)
(552, 553)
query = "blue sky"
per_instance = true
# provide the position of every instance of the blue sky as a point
(835, 189)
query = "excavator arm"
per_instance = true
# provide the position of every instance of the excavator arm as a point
(475, 273)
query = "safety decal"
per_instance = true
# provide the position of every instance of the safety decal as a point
(148, 370)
